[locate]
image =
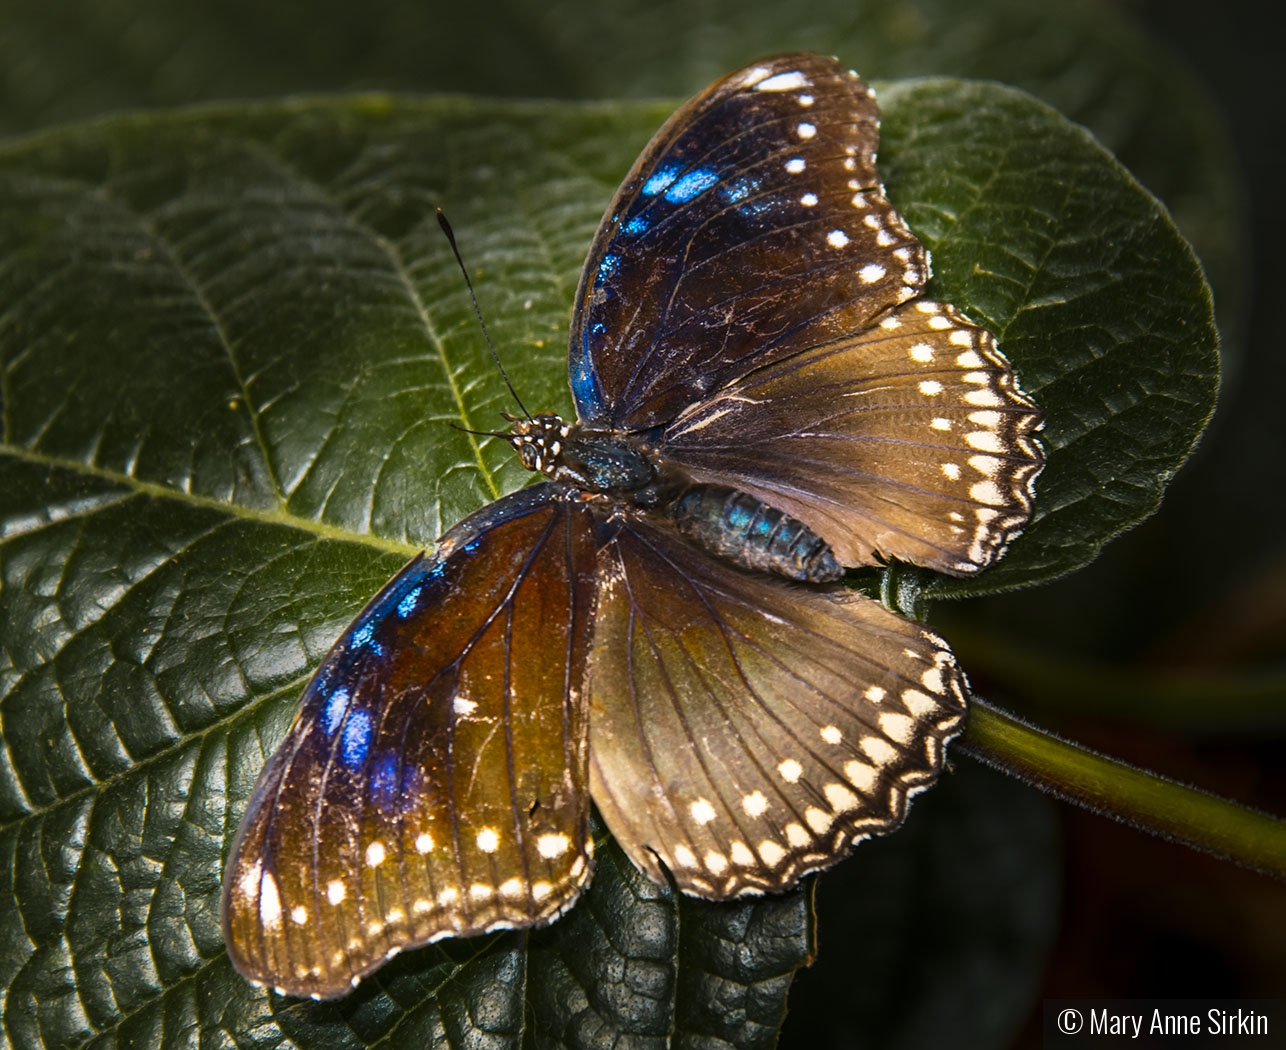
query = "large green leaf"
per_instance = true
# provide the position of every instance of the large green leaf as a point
(232, 341)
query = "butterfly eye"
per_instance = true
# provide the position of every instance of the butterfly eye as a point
(528, 453)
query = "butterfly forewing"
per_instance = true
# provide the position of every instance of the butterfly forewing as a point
(747, 730)
(754, 225)
(910, 440)
(434, 782)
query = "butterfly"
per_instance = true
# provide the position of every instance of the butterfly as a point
(764, 398)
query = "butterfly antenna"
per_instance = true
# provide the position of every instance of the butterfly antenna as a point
(480, 433)
(446, 228)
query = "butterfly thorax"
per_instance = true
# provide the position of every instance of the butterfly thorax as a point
(733, 525)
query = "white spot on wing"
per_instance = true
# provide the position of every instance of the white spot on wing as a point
(840, 797)
(790, 770)
(984, 441)
(375, 854)
(987, 492)
(871, 272)
(754, 804)
(552, 844)
(488, 840)
(988, 465)
(269, 902)
(919, 704)
(335, 891)
(781, 82)
(898, 728)
(702, 812)
(861, 776)
(879, 751)
(837, 239)
(684, 857)
(771, 852)
(250, 879)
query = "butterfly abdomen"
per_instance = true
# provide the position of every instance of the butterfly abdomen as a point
(745, 530)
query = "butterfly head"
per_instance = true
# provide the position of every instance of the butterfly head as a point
(539, 441)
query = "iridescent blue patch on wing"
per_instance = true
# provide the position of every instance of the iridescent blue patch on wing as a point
(691, 185)
(661, 179)
(586, 392)
(384, 786)
(756, 209)
(414, 790)
(606, 269)
(336, 706)
(638, 224)
(739, 189)
(355, 741)
(406, 604)
(363, 638)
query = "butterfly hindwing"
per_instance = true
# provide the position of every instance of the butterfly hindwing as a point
(753, 225)
(434, 781)
(747, 730)
(910, 440)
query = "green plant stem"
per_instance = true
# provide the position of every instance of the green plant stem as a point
(1133, 796)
